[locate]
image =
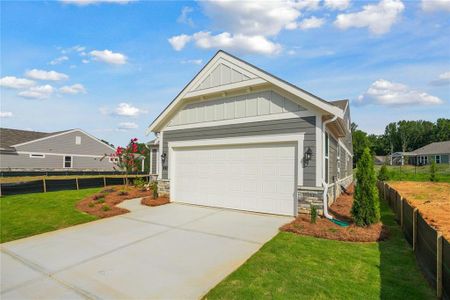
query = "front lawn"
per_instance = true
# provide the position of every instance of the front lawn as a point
(417, 173)
(303, 267)
(30, 214)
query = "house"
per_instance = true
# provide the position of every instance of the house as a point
(241, 138)
(23, 150)
(438, 152)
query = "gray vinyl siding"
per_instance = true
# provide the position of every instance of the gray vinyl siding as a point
(24, 161)
(297, 125)
(332, 163)
(347, 140)
(222, 75)
(65, 144)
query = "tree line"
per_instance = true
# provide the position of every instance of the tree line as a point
(401, 136)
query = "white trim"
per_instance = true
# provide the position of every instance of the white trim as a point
(248, 140)
(319, 153)
(322, 105)
(226, 87)
(60, 154)
(64, 162)
(151, 160)
(158, 156)
(78, 140)
(63, 133)
(39, 155)
(269, 117)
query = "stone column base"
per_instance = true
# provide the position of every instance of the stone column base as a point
(164, 187)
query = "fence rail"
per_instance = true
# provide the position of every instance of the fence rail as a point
(432, 251)
(63, 173)
(51, 185)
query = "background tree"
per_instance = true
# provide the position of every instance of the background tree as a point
(128, 159)
(360, 142)
(366, 206)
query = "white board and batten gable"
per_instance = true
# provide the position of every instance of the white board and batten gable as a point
(230, 84)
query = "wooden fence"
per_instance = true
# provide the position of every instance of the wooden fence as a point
(431, 249)
(51, 185)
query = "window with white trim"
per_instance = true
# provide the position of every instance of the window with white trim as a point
(113, 159)
(35, 155)
(437, 159)
(78, 140)
(67, 161)
(326, 151)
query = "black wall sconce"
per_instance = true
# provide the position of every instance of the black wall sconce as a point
(307, 157)
(163, 157)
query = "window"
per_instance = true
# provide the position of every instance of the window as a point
(326, 158)
(78, 140)
(113, 159)
(34, 155)
(437, 159)
(67, 161)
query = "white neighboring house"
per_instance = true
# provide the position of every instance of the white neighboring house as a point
(241, 138)
(73, 149)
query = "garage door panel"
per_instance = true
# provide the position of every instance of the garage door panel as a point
(258, 178)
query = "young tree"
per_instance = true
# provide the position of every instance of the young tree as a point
(360, 142)
(128, 159)
(366, 206)
(383, 175)
(433, 176)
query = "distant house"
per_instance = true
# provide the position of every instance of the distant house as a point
(438, 152)
(63, 150)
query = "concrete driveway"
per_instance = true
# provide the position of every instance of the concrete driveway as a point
(173, 251)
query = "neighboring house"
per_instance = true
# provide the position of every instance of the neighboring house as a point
(438, 152)
(73, 149)
(239, 137)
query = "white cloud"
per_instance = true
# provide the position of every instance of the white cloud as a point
(179, 41)
(13, 82)
(128, 110)
(127, 126)
(6, 114)
(192, 61)
(59, 60)
(337, 4)
(384, 92)
(435, 5)
(38, 92)
(444, 79)
(45, 75)
(85, 61)
(379, 18)
(73, 89)
(109, 57)
(311, 23)
(89, 2)
(184, 17)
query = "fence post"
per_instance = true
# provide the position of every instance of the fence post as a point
(401, 212)
(414, 223)
(439, 265)
(78, 186)
(44, 185)
(104, 181)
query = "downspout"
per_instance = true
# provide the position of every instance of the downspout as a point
(324, 183)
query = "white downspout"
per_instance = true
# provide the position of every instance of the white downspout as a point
(324, 183)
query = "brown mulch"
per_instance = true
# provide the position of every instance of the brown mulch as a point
(109, 197)
(149, 201)
(326, 229)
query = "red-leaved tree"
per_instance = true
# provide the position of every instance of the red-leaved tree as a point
(128, 158)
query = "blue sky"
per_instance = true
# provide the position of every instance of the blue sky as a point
(110, 67)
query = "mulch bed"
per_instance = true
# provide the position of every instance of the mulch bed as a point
(326, 229)
(149, 201)
(103, 204)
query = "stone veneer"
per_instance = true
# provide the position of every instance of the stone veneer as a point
(164, 187)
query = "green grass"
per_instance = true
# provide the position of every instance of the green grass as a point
(301, 267)
(30, 214)
(411, 173)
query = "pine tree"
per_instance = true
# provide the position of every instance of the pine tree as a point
(366, 206)
(433, 176)
(383, 175)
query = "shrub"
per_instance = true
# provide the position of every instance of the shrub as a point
(433, 176)
(383, 175)
(101, 200)
(155, 189)
(99, 196)
(108, 191)
(313, 214)
(105, 208)
(123, 192)
(139, 183)
(91, 204)
(366, 206)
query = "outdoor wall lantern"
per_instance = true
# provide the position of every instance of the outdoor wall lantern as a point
(308, 155)
(163, 157)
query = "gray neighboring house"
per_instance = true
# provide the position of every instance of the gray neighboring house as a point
(74, 149)
(238, 137)
(438, 152)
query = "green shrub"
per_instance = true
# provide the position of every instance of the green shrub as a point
(102, 200)
(433, 176)
(383, 175)
(155, 189)
(123, 192)
(139, 183)
(91, 204)
(366, 206)
(99, 196)
(105, 207)
(313, 214)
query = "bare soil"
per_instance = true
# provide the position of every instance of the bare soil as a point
(432, 199)
(324, 228)
(104, 204)
(149, 201)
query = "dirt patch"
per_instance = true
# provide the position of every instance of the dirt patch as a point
(432, 199)
(323, 228)
(149, 201)
(104, 204)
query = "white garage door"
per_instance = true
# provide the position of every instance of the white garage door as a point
(258, 177)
